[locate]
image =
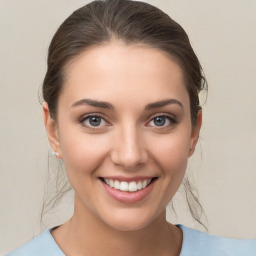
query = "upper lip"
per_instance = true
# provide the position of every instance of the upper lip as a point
(128, 179)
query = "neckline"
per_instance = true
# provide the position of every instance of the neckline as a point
(183, 238)
(54, 243)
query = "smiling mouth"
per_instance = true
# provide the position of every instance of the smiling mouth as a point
(131, 186)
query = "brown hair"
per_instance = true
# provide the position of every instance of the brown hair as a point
(132, 22)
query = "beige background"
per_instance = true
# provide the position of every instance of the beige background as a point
(223, 34)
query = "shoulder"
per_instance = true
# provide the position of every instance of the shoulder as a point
(42, 245)
(196, 243)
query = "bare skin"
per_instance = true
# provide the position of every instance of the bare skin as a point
(124, 112)
(167, 240)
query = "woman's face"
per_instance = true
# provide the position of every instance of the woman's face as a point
(123, 121)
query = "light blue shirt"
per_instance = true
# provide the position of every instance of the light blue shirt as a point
(195, 243)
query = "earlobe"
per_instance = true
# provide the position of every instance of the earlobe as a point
(51, 130)
(195, 133)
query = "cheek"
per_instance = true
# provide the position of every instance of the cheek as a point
(173, 165)
(82, 153)
(171, 156)
(172, 152)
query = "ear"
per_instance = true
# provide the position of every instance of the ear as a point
(195, 133)
(52, 130)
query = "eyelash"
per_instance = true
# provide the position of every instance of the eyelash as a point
(87, 117)
(171, 120)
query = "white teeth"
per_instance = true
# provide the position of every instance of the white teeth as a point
(116, 184)
(124, 186)
(111, 183)
(132, 186)
(144, 184)
(139, 185)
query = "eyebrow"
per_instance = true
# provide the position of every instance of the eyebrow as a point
(103, 104)
(163, 103)
(94, 103)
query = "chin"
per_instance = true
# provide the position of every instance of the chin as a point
(128, 220)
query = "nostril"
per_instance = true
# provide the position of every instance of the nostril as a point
(128, 148)
(129, 159)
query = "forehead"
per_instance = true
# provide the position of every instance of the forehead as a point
(134, 72)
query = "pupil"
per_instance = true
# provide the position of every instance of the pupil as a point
(159, 121)
(95, 121)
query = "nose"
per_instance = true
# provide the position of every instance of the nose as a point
(128, 149)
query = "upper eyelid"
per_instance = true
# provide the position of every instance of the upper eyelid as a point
(171, 116)
(85, 116)
(106, 119)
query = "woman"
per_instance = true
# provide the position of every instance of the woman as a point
(122, 111)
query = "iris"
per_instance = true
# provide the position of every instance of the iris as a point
(95, 120)
(159, 121)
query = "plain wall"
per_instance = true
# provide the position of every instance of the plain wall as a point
(222, 33)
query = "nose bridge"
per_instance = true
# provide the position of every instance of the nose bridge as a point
(129, 150)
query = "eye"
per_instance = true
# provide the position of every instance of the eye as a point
(162, 121)
(93, 121)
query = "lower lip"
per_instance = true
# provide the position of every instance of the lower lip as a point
(128, 197)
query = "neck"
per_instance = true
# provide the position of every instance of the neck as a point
(85, 234)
